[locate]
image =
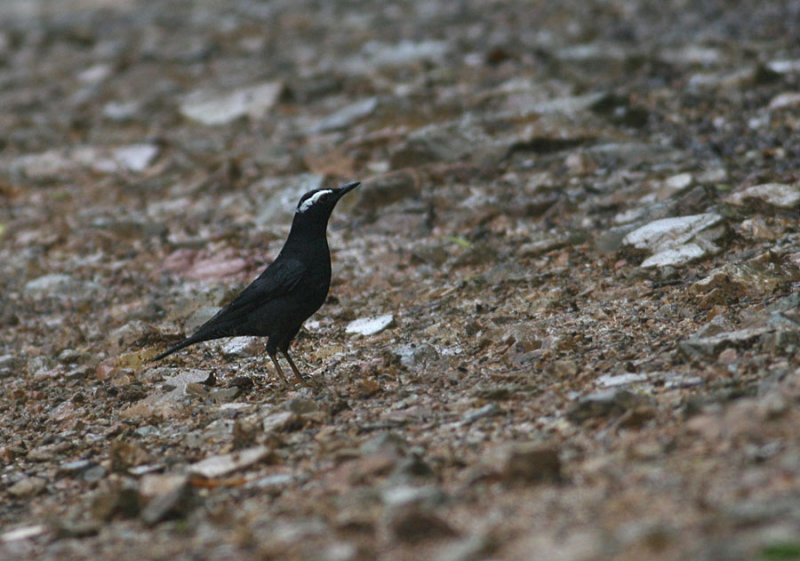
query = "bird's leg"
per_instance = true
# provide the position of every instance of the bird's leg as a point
(296, 372)
(278, 368)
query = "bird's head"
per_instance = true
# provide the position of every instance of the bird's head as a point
(319, 203)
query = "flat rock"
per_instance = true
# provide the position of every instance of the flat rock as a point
(237, 347)
(606, 404)
(370, 325)
(778, 195)
(608, 381)
(527, 463)
(28, 487)
(215, 466)
(675, 256)
(712, 345)
(669, 233)
(167, 497)
(212, 109)
(166, 404)
(23, 533)
(57, 285)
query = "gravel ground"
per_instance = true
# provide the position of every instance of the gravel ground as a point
(576, 244)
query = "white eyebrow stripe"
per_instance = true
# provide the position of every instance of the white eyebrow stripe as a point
(313, 199)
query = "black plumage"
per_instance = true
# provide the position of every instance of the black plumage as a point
(290, 289)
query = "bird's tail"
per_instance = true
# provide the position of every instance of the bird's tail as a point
(182, 345)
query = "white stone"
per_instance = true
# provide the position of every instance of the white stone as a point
(370, 325)
(216, 466)
(670, 233)
(609, 381)
(253, 101)
(675, 256)
(135, 157)
(775, 194)
(785, 101)
(49, 285)
(679, 182)
(23, 533)
(239, 346)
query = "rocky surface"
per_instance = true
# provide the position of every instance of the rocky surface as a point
(565, 316)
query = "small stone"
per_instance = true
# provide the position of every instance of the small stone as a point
(386, 189)
(488, 410)
(279, 422)
(777, 195)
(785, 101)
(49, 285)
(668, 233)
(23, 533)
(606, 404)
(678, 183)
(370, 325)
(529, 463)
(675, 257)
(403, 53)
(119, 497)
(609, 381)
(28, 487)
(8, 364)
(237, 347)
(477, 547)
(75, 468)
(168, 497)
(135, 157)
(412, 355)
(413, 523)
(713, 345)
(216, 466)
(385, 442)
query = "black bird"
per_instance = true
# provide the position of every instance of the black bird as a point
(290, 289)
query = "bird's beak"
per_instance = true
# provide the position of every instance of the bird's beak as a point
(346, 188)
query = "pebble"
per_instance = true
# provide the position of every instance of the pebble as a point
(75, 468)
(413, 523)
(370, 325)
(404, 52)
(488, 410)
(212, 110)
(216, 466)
(785, 101)
(669, 233)
(528, 463)
(28, 487)
(135, 157)
(605, 404)
(778, 195)
(675, 257)
(23, 533)
(676, 241)
(608, 380)
(713, 345)
(8, 364)
(52, 284)
(238, 347)
(412, 355)
(167, 496)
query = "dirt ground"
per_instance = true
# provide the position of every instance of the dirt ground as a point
(576, 238)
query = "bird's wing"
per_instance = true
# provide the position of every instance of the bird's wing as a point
(280, 278)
